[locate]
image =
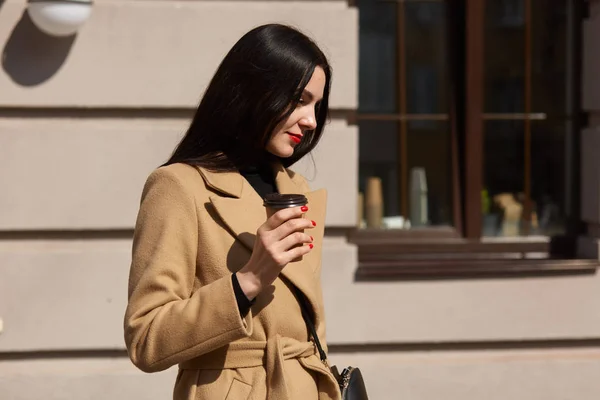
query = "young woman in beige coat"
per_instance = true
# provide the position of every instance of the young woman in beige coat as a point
(212, 280)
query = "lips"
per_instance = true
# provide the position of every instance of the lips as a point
(295, 137)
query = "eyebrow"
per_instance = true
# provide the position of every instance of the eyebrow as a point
(310, 96)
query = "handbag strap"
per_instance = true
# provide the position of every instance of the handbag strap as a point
(304, 306)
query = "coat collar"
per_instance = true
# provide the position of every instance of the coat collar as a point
(234, 185)
(228, 183)
(242, 210)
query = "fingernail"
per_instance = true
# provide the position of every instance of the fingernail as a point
(311, 246)
(314, 223)
(311, 239)
(304, 209)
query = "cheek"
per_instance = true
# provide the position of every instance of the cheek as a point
(276, 140)
(292, 119)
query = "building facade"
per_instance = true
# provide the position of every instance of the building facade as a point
(460, 159)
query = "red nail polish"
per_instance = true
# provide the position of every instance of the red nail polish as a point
(304, 209)
(311, 246)
(314, 223)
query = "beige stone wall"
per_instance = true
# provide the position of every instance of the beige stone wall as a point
(77, 146)
(481, 374)
(87, 173)
(157, 53)
(423, 375)
(83, 121)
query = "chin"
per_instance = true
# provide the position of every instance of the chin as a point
(286, 152)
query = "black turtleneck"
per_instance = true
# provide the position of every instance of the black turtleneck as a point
(261, 178)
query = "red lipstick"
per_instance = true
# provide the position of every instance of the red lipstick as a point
(295, 138)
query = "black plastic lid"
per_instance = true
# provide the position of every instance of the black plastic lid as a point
(276, 200)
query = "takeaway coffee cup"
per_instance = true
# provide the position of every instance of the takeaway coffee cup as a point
(275, 202)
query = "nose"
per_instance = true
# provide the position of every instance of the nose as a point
(308, 122)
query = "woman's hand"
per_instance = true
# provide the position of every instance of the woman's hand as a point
(278, 241)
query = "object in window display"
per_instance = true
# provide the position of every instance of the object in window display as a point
(360, 207)
(485, 202)
(397, 222)
(550, 218)
(531, 223)
(491, 225)
(374, 202)
(535, 224)
(419, 213)
(512, 211)
(491, 219)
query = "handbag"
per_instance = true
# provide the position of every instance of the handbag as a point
(350, 380)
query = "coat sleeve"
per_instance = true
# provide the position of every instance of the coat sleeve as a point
(166, 321)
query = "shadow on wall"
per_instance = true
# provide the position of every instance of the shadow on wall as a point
(31, 57)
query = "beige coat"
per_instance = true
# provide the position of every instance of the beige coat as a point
(195, 228)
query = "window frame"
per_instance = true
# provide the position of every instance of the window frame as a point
(460, 250)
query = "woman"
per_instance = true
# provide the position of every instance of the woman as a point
(212, 280)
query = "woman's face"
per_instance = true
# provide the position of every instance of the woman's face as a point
(289, 133)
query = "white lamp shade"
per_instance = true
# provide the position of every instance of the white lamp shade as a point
(59, 18)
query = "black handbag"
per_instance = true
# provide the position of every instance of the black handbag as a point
(350, 379)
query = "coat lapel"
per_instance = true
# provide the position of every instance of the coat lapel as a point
(243, 212)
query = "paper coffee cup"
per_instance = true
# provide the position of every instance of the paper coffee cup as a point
(275, 202)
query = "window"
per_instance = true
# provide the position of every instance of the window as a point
(527, 120)
(406, 164)
(469, 121)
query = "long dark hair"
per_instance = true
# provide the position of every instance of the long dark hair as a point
(257, 86)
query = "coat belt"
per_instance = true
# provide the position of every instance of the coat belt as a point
(270, 354)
